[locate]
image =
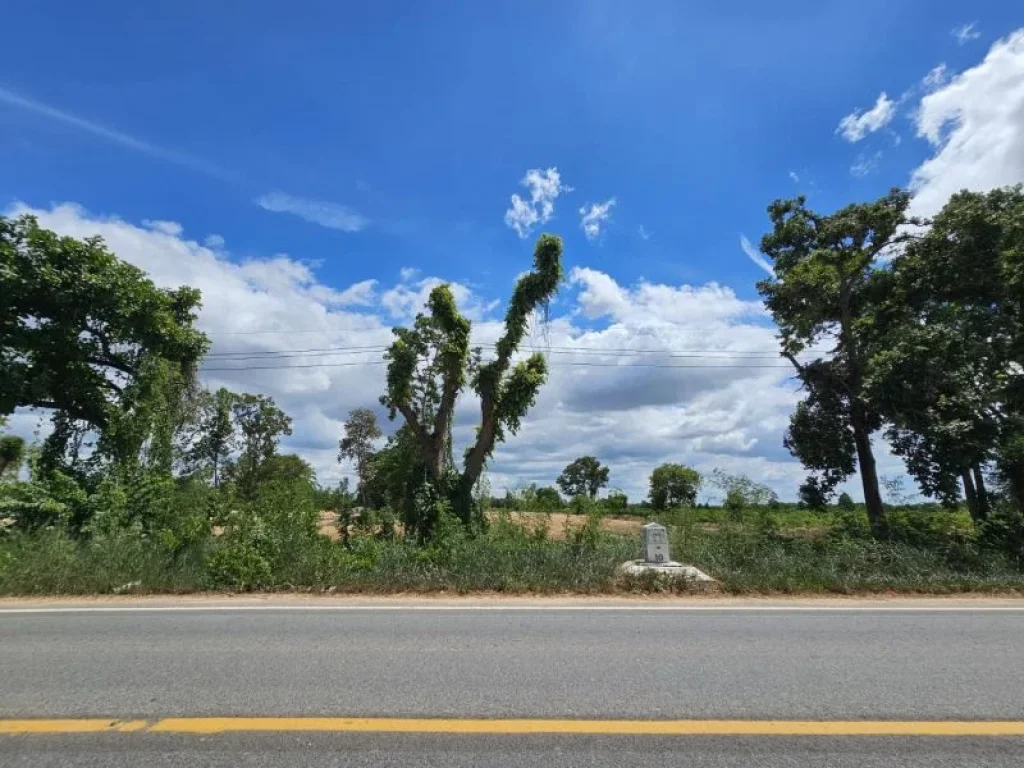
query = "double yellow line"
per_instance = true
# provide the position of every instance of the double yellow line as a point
(213, 725)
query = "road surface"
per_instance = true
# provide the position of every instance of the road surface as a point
(160, 681)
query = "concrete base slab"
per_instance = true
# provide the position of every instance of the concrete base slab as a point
(670, 570)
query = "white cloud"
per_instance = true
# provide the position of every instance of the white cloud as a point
(117, 137)
(214, 241)
(755, 255)
(716, 394)
(545, 186)
(936, 77)
(965, 33)
(794, 176)
(856, 125)
(865, 164)
(644, 234)
(975, 123)
(330, 215)
(167, 227)
(594, 217)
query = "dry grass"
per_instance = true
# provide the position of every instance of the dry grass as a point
(558, 523)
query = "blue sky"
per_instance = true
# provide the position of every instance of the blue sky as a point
(411, 125)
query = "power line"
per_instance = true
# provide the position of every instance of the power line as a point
(336, 330)
(557, 350)
(560, 363)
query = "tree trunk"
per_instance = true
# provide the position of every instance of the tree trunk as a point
(971, 494)
(979, 485)
(869, 478)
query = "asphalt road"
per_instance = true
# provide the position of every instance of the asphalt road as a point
(579, 664)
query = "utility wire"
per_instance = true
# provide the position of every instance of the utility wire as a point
(560, 363)
(557, 350)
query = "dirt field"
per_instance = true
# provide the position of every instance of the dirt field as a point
(556, 523)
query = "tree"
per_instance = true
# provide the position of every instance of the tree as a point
(825, 292)
(361, 432)
(80, 329)
(215, 439)
(945, 378)
(261, 424)
(429, 364)
(674, 485)
(12, 453)
(583, 477)
(546, 498)
(741, 492)
(845, 502)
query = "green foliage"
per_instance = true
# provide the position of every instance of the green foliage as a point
(12, 454)
(79, 327)
(845, 502)
(742, 492)
(825, 291)
(214, 440)
(361, 433)
(261, 425)
(616, 503)
(674, 485)
(546, 499)
(429, 364)
(583, 477)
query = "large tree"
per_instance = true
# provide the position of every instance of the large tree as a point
(84, 333)
(674, 485)
(824, 294)
(947, 374)
(429, 365)
(583, 477)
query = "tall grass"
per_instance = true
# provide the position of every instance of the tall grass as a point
(279, 553)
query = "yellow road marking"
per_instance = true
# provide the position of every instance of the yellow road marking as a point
(91, 725)
(212, 725)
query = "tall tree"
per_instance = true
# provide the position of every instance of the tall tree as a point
(361, 433)
(583, 477)
(824, 293)
(946, 375)
(215, 438)
(79, 328)
(674, 485)
(261, 424)
(436, 351)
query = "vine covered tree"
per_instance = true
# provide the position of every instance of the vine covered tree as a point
(583, 477)
(430, 364)
(825, 292)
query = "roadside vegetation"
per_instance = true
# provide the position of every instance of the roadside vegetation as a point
(144, 481)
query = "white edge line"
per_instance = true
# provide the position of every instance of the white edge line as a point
(516, 608)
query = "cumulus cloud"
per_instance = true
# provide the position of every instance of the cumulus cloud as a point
(856, 125)
(640, 374)
(974, 123)
(755, 255)
(545, 186)
(330, 215)
(964, 33)
(593, 218)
